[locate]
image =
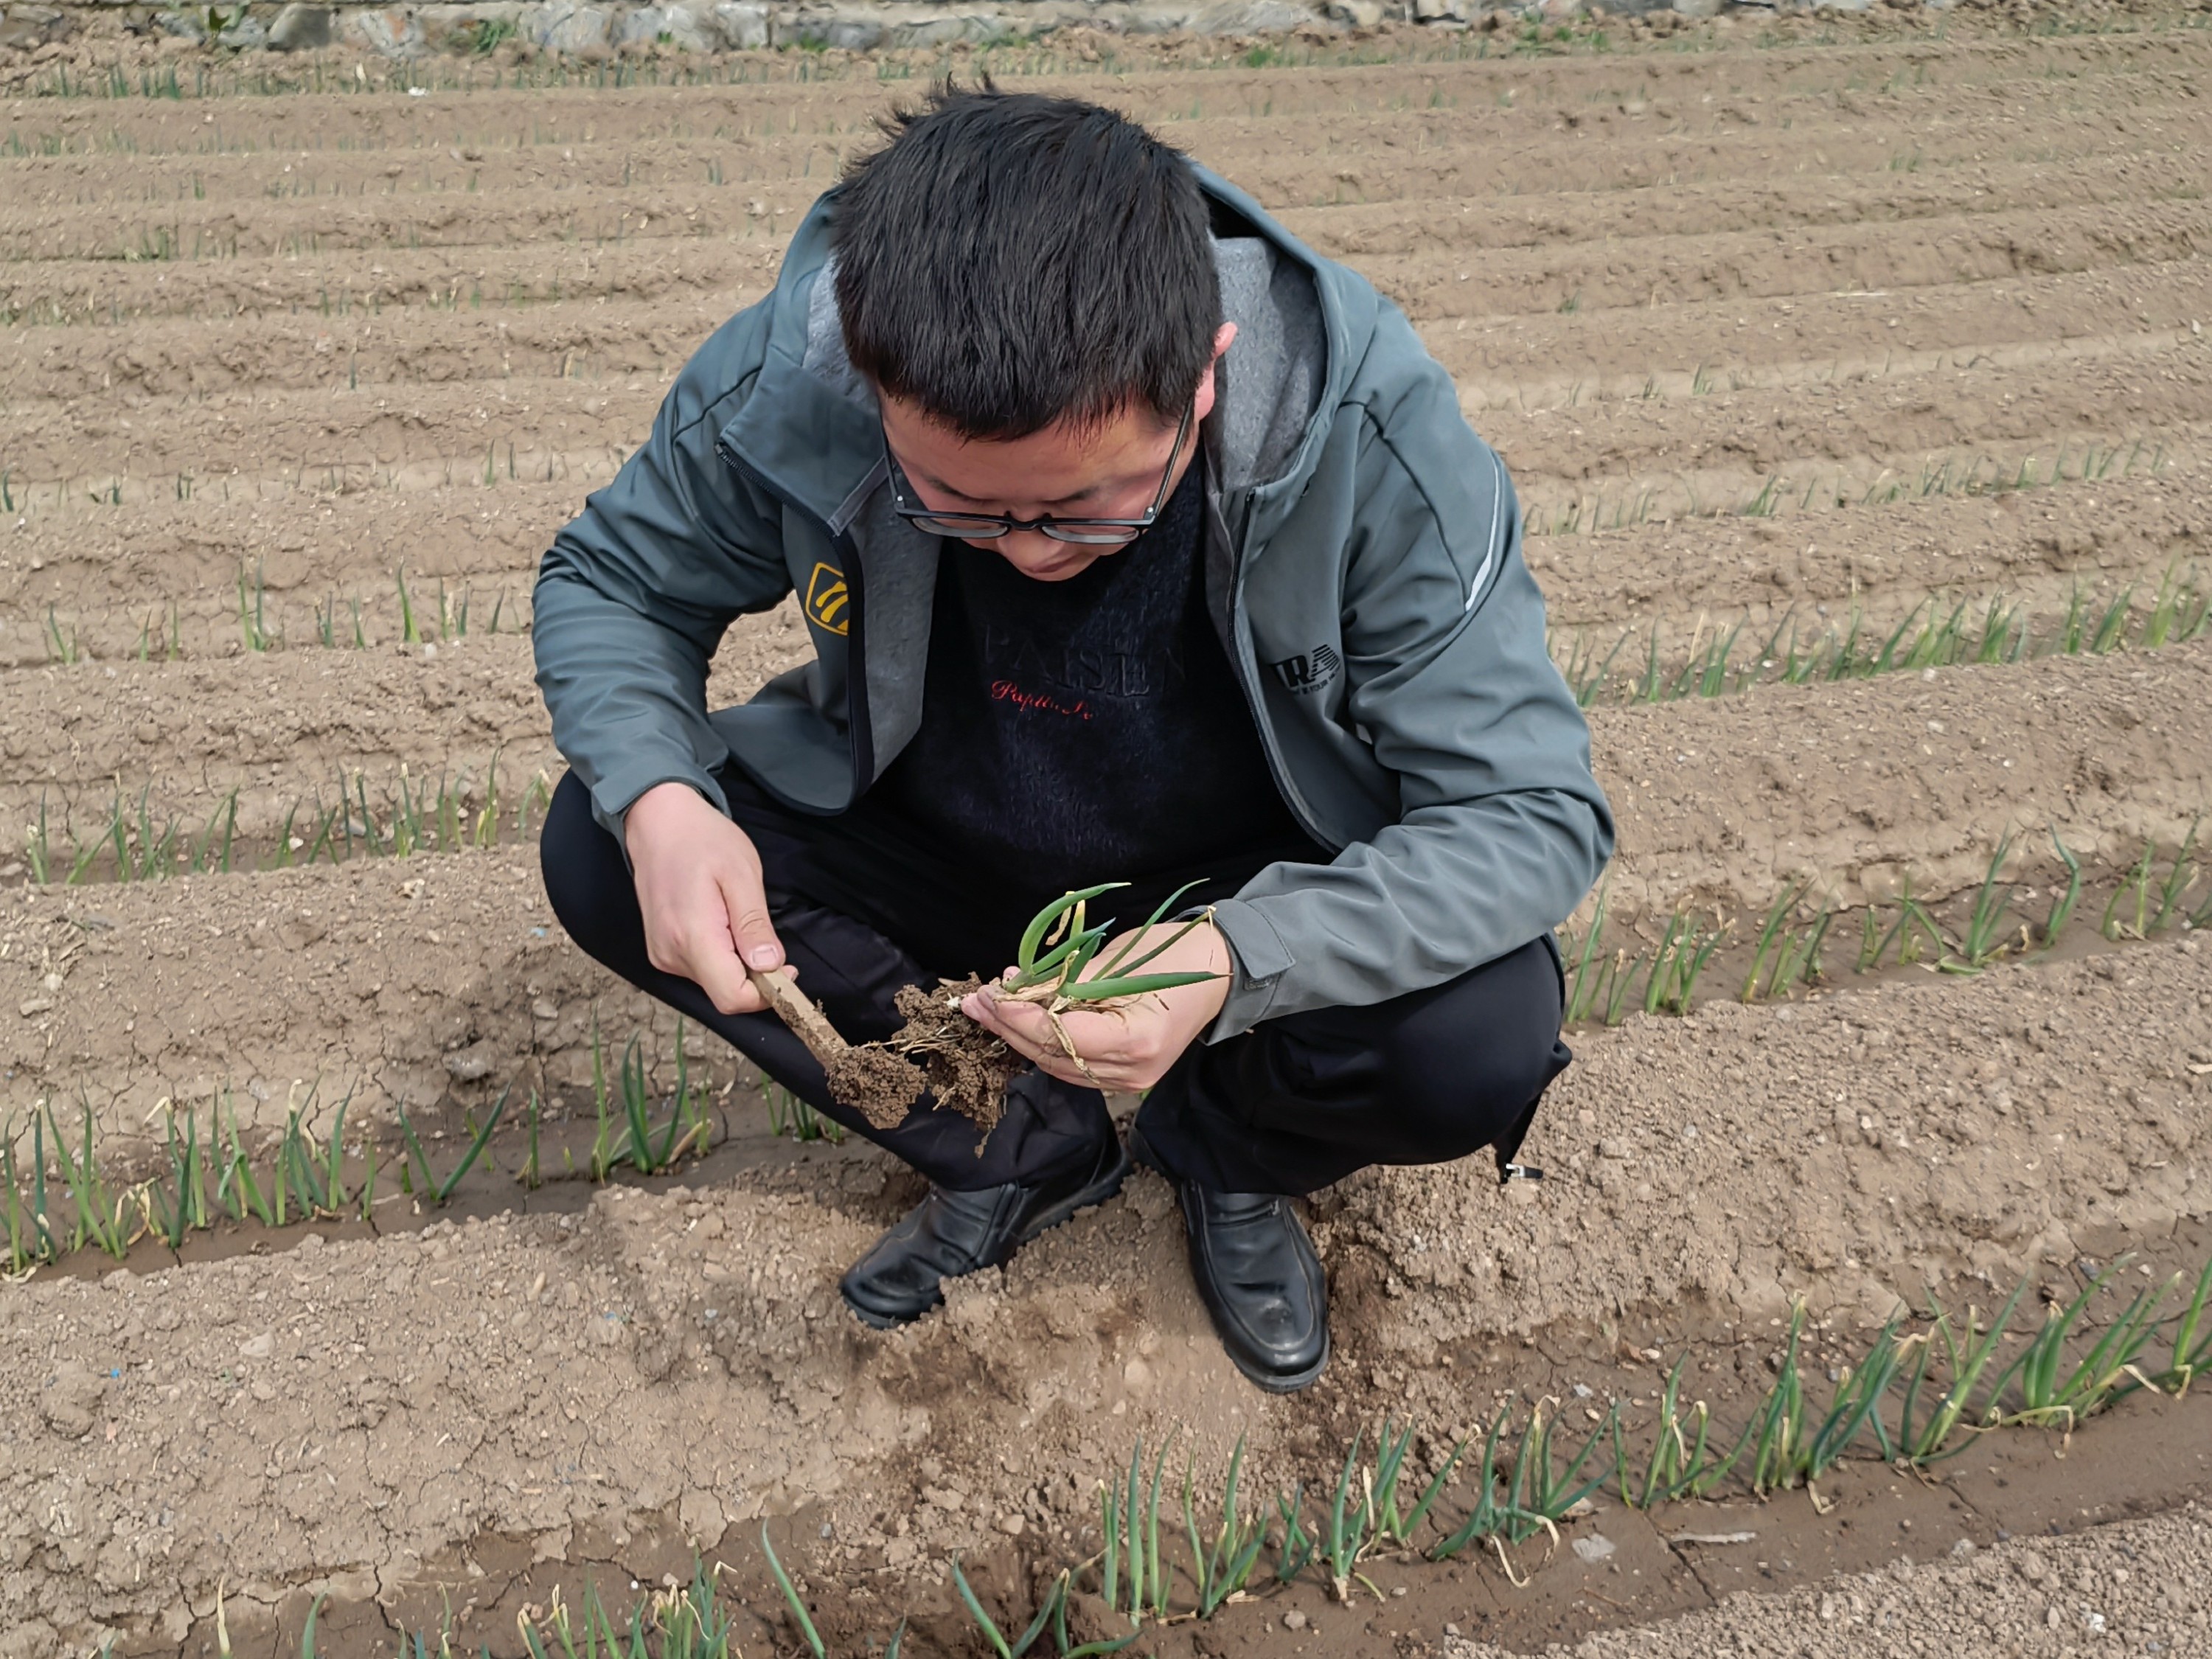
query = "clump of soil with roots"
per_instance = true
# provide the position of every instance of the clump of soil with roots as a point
(938, 1049)
(960, 1065)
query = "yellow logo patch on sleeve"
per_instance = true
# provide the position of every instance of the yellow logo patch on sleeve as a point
(826, 599)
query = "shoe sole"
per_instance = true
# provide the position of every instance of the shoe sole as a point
(1280, 1382)
(1097, 1192)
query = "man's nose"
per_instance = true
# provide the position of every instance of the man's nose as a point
(1026, 547)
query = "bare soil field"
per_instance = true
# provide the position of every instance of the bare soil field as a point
(1853, 377)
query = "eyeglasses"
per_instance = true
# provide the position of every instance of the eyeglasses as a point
(988, 527)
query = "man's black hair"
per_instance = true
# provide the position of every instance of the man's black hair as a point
(1010, 260)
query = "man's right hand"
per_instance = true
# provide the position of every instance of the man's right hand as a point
(699, 889)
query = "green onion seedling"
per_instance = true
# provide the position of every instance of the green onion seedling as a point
(2178, 881)
(1965, 1358)
(2137, 882)
(1539, 1495)
(1484, 1521)
(1389, 1524)
(2049, 1394)
(1986, 927)
(2190, 1355)
(2062, 907)
(1770, 938)
(1222, 1567)
(1297, 1545)
(791, 1598)
(1052, 965)
(422, 1183)
(984, 1622)
(1857, 1404)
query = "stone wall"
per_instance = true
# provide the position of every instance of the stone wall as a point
(587, 27)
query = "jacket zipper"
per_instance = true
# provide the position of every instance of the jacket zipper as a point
(1243, 664)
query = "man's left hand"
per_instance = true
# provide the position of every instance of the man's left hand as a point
(1128, 1046)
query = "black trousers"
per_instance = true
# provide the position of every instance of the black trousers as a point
(1289, 1107)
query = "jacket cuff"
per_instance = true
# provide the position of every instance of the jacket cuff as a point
(613, 796)
(1262, 960)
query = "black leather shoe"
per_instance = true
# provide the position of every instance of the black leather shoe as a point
(949, 1233)
(1259, 1278)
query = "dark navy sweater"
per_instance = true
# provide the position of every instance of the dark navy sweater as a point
(1088, 730)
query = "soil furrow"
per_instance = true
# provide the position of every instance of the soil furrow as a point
(2032, 546)
(281, 729)
(173, 357)
(1684, 187)
(164, 572)
(1821, 261)
(1837, 188)
(1871, 75)
(2004, 413)
(118, 296)
(446, 334)
(426, 433)
(1561, 360)
(418, 436)
(1859, 788)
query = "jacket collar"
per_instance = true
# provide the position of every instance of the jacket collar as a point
(809, 430)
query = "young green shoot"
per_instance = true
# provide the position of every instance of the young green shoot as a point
(2051, 1393)
(1053, 963)
(1222, 1566)
(1985, 924)
(419, 1180)
(799, 1614)
(1681, 1465)
(2190, 1354)
(1966, 1357)
(2061, 905)
(985, 1623)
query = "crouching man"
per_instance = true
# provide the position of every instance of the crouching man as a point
(1135, 543)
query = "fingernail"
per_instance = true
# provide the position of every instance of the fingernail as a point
(762, 956)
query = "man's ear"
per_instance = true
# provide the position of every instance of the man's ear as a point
(1208, 387)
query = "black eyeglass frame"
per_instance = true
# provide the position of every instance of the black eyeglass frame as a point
(989, 526)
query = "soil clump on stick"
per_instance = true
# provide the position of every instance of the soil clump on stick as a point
(938, 1049)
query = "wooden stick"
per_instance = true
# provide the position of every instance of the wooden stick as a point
(813, 1030)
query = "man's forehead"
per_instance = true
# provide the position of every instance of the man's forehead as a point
(1073, 465)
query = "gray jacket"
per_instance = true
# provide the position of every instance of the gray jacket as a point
(1364, 568)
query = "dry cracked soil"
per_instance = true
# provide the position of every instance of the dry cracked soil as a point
(1792, 331)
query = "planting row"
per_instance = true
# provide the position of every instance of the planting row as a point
(1924, 1390)
(739, 236)
(2007, 424)
(764, 95)
(422, 321)
(464, 193)
(1866, 774)
(198, 574)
